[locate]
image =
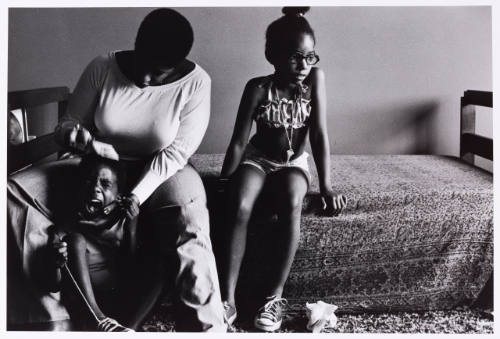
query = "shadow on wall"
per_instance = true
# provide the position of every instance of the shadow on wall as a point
(400, 129)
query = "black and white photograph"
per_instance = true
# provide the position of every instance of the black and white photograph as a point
(264, 167)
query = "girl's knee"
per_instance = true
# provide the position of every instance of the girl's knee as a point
(244, 209)
(291, 204)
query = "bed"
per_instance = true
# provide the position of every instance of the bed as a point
(417, 233)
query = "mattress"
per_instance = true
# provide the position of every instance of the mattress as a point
(417, 234)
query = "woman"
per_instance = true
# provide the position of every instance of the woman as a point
(152, 105)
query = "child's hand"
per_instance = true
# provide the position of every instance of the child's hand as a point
(58, 249)
(60, 253)
(333, 203)
(130, 205)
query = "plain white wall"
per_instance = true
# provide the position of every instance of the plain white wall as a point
(394, 74)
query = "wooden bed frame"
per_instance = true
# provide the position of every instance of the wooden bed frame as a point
(29, 152)
(470, 142)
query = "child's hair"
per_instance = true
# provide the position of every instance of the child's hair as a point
(165, 36)
(90, 161)
(281, 35)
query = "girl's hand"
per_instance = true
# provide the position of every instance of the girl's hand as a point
(333, 203)
(79, 138)
(60, 253)
(130, 205)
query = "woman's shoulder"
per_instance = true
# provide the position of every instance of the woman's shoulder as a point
(197, 79)
(103, 60)
(199, 73)
(101, 63)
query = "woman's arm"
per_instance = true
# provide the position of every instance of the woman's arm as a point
(81, 107)
(320, 144)
(242, 128)
(193, 125)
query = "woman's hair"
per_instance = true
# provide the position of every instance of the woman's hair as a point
(165, 36)
(281, 35)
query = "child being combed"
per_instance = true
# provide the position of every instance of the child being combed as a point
(99, 239)
(285, 106)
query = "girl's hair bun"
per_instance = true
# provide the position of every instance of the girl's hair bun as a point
(295, 11)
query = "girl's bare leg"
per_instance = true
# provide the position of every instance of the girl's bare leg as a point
(246, 185)
(291, 187)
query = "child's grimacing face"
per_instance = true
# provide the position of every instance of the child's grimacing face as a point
(296, 72)
(100, 188)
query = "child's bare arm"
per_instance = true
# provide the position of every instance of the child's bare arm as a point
(130, 238)
(130, 207)
(242, 127)
(320, 144)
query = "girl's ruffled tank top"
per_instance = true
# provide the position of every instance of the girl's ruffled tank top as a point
(278, 112)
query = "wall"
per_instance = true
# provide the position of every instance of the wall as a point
(394, 74)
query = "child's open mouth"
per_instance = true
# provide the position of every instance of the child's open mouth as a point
(93, 206)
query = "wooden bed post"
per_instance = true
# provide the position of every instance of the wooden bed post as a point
(467, 125)
(470, 142)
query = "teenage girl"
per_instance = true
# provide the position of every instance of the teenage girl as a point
(285, 106)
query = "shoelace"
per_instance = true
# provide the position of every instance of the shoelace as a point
(226, 307)
(271, 308)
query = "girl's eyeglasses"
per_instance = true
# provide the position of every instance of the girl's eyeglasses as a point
(311, 59)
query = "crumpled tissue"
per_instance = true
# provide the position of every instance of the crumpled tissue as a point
(321, 315)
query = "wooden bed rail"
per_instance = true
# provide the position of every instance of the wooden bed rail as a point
(470, 142)
(30, 151)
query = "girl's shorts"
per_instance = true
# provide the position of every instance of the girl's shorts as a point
(254, 157)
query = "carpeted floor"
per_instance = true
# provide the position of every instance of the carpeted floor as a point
(460, 320)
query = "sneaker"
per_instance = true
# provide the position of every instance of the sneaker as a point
(229, 313)
(269, 316)
(111, 325)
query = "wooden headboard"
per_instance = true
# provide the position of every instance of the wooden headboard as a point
(470, 142)
(30, 151)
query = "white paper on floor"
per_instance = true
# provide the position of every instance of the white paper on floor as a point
(321, 315)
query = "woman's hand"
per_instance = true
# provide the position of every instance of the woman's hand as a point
(79, 138)
(333, 203)
(130, 205)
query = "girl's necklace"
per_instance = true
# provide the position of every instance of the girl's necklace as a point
(289, 152)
